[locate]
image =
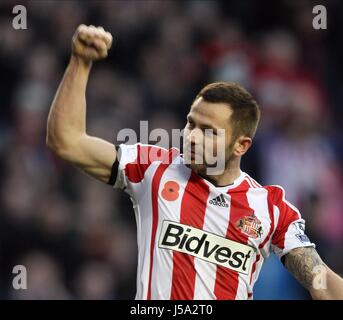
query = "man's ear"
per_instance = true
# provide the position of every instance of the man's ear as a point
(242, 145)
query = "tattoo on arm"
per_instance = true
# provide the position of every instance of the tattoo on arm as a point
(302, 262)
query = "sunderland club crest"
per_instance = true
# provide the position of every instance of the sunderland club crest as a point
(250, 226)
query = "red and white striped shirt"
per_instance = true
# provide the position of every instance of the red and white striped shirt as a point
(196, 240)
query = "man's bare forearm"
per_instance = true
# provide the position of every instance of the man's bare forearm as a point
(309, 269)
(301, 262)
(334, 287)
(67, 117)
(66, 127)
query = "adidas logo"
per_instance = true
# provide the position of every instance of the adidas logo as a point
(219, 201)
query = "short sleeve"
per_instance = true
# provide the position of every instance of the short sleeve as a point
(290, 230)
(132, 163)
(126, 154)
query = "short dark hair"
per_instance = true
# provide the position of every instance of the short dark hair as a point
(246, 112)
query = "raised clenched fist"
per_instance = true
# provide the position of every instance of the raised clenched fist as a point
(91, 43)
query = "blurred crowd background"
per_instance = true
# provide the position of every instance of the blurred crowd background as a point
(76, 236)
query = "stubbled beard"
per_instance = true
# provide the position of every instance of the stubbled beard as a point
(201, 169)
(197, 168)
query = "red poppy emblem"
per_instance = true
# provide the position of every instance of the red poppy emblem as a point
(170, 191)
